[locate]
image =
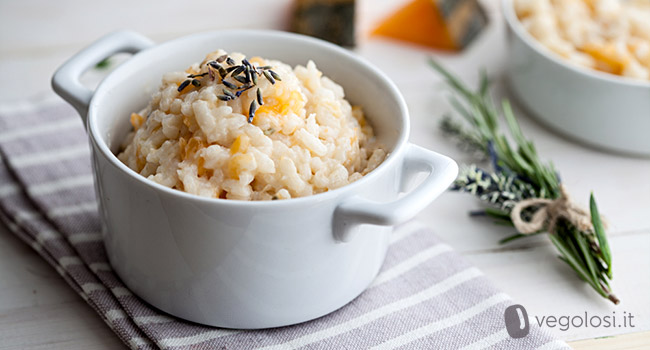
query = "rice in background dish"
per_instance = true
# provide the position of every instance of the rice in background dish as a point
(305, 139)
(612, 36)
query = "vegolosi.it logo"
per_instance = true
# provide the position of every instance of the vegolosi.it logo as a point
(518, 325)
(516, 319)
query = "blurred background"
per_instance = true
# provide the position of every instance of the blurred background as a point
(37, 36)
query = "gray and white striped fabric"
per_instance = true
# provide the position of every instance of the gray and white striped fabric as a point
(425, 297)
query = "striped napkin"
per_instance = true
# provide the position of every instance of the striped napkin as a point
(425, 297)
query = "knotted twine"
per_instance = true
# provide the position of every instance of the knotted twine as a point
(548, 213)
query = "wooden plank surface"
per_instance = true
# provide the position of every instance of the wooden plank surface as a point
(633, 341)
(39, 311)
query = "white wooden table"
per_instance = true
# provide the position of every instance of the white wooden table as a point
(39, 311)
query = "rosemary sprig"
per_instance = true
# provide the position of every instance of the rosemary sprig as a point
(519, 174)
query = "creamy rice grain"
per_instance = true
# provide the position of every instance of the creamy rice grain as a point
(612, 36)
(305, 139)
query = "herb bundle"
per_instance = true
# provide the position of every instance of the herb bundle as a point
(521, 190)
(242, 77)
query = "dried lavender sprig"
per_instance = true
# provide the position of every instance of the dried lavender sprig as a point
(184, 85)
(223, 73)
(244, 88)
(498, 189)
(260, 100)
(248, 80)
(229, 85)
(229, 94)
(197, 75)
(253, 74)
(269, 77)
(237, 70)
(222, 58)
(251, 111)
(275, 75)
(242, 79)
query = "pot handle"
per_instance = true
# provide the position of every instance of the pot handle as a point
(65, 81)
(355, 210)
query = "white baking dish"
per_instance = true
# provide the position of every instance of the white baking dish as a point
(596, 108)
(242, 264)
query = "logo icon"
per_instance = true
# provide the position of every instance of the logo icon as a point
(516, 319)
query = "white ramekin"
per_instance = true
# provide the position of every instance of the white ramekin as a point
(241, 264)
(599, 109)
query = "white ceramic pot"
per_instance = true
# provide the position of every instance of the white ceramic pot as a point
(240, 264)
(596, 108)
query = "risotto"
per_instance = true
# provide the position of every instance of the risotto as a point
(253, 129)
(608, 35)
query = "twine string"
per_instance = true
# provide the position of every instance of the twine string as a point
(548, 212)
